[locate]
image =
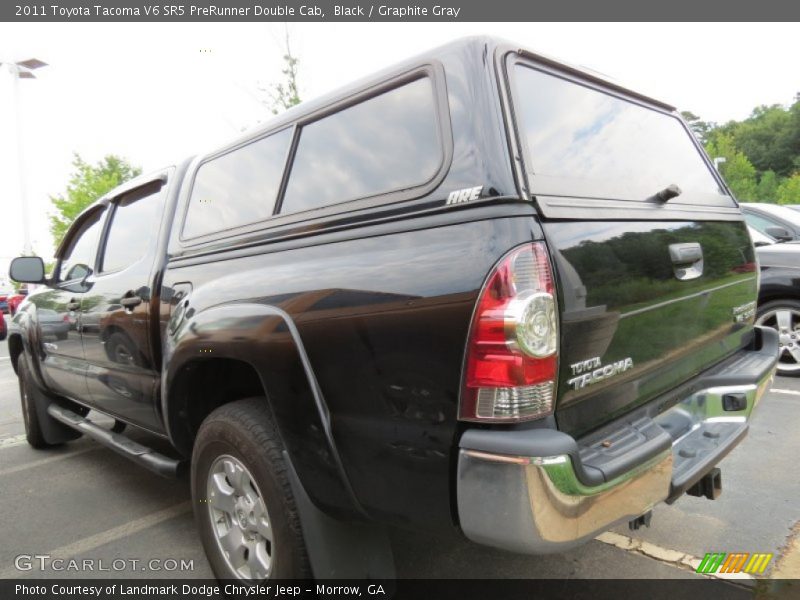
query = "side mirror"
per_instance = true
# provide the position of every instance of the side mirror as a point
(27, 269)
(779, 233)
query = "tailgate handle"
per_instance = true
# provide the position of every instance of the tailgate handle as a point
(687, 260)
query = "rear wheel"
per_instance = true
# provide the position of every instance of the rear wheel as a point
(243, 502)
(784, 317)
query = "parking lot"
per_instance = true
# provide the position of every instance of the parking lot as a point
(83, 501)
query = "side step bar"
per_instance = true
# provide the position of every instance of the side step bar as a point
(144, 456)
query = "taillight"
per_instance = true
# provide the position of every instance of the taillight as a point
(512, 354)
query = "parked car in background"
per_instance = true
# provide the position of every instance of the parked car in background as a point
(4, 302)
(54, 325)
(775, 220)
(779, 296)
(3, 328)
(16, 299)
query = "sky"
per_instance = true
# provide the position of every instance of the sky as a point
(156, 93)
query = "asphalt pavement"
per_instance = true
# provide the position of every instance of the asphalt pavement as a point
(82, 504)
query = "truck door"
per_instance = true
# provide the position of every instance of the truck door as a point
(122, 372)
(58, 309)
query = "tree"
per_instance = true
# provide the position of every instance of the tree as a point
(789, 190)
(767, 189)
(767, 139)
(738, 172)
(86, 184)
(700, 128)
(286, 94)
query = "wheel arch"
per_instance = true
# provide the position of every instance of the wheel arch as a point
(228, 352)
(15, 349)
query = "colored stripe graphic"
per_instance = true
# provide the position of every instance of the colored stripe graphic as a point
(711, 562)
(758, 564)
(735, 562)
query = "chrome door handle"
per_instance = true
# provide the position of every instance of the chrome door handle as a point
(687, 260)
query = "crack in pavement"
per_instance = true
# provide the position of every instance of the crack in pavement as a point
(681, 560)
(788, 564)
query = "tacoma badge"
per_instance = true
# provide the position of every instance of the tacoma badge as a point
(592, 371)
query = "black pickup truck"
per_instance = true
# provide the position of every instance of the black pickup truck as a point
(480, 290)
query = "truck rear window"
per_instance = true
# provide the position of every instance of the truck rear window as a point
(588, 143)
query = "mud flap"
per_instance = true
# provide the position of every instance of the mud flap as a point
(53, 431)
(340, 550)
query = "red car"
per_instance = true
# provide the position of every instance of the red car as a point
(3, 329)
(15, 300)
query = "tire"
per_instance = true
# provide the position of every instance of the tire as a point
(784, 317)
(27, 396)
(121, 350)
(238, 476)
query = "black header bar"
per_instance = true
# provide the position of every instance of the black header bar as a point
(398, 11)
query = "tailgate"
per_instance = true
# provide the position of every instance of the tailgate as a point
(656, 273)
(645, 306)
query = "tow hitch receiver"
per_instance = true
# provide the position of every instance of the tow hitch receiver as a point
(709, 486)
(640, 521)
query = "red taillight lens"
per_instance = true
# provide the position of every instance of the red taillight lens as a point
(512, 355)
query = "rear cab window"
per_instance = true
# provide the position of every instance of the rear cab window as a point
(585, 142)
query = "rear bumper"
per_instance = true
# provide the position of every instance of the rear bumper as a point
(539, 490)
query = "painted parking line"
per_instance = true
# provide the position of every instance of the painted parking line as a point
(15, 440)
(46, 461)
(680, 560)
(789, 392)
(109, 535)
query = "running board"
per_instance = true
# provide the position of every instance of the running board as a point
(144, 456)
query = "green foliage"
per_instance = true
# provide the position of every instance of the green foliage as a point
(700, 128)
(286, 94)
(789, 190)
(768, 142)
(769, 138)
(632, 268)
(767, 190)
(738, 172)
(86, 184)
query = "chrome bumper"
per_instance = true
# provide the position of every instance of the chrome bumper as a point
(538, 504)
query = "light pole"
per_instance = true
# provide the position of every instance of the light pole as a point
(22, 69)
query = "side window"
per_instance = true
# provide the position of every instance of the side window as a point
(79, 258)
(237, 188)
(387, 143)
(760, 223)
(134, 226)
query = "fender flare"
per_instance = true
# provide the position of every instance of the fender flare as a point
(24, 327)
(266, 338)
